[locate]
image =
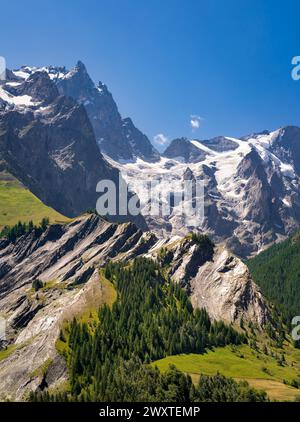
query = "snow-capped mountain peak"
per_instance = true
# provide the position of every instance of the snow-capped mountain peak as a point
(252, 183)
(115, 136)
(252, 186)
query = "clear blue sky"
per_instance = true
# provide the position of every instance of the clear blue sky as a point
(165, 60)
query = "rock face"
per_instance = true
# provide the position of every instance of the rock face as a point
(38, 86)
(66, 252)
(67, 259)
(223, 286)
(220, 144)
(215, 279)
(140, 145)
(286, 146)
(117, 138)
(182, 149)
(53, 152)
(47, 142)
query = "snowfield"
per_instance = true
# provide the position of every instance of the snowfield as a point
(227, 189)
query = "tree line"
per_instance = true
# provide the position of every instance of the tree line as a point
(277, 272)
(12, 233)
(133, 381)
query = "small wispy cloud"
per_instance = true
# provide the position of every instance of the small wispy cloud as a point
(195, 121)
(160, 139)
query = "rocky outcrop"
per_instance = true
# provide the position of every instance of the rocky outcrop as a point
(286, 146)
(38, 86)
(261, 208)
(220, 144)
(215, 279)
(65, 252)
(183, 149)
(117, 138)
(140, 145)
(224, 287)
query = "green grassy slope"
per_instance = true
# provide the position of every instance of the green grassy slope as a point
(18, 204)
(241, 362)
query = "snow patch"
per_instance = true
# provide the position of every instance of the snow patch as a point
(202, 147)
(19, 101)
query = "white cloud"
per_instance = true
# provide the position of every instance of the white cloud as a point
(160, 139)
(195, 121)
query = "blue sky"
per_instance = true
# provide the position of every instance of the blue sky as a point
(166, 60)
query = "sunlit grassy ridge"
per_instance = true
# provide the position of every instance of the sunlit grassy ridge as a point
(103, 292)
(18, 204)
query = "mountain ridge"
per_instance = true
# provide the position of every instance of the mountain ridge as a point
(117, 137)
(66, 260)
(251, 184)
